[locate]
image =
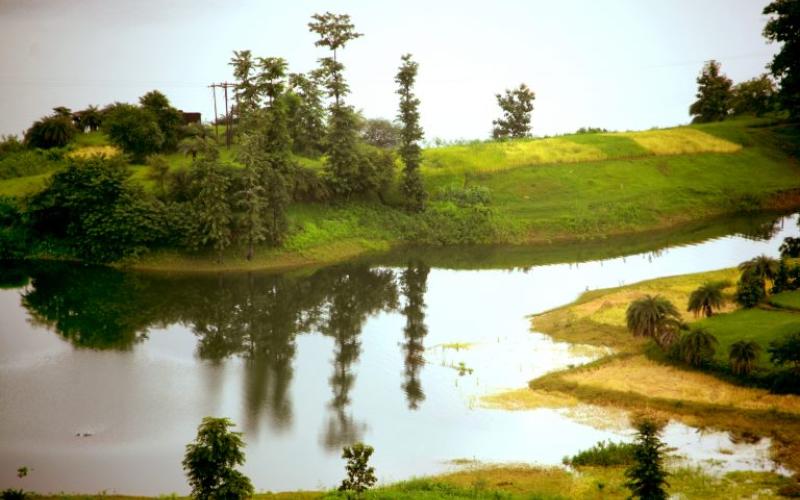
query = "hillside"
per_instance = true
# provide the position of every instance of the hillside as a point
(572, 187)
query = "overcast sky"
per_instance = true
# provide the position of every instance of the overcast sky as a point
(618, 64)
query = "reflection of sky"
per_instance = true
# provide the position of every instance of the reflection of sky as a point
(143, 406)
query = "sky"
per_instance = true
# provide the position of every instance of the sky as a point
(616, 64)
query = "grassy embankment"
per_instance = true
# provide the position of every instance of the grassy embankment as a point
(566, 188)
(636, 378)
(521, 482)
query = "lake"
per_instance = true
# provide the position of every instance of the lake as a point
(105, 374)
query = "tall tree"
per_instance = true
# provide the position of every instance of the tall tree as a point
(251, 199)
(213, 210)
(411, 133)
(714, 95)
(517, 105)
(307, 114)
(784, 27)
(342, 163)
(647, 477)
(246, 91)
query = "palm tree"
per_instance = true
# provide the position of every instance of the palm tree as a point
(90, 117)
(698, 346)
(707, 298)
(762, 267)
(743, 355)
(654, 317)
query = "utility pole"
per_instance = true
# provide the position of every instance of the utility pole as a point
(216, 116)
(228, 113)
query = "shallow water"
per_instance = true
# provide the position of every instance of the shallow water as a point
(104, 376)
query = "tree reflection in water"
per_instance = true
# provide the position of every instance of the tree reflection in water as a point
(255, 317)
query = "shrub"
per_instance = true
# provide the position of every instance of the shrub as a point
(12, 494)
(10, 144)
(466, 196)
(133, 129)
(790, 247)
(448, 224)
(604, 454)
(697, 347)
(211, 459)
(29, 162)
(308, 186)
(786, 351)
(750, 291)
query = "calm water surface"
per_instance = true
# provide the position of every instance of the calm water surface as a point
(104, 375)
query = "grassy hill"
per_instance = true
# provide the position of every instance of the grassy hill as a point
(572, 187)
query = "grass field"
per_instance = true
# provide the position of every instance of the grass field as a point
(786, 300)
(540, 483)
(566, 188)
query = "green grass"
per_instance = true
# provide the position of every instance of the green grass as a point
(786, 300)
(759, 325)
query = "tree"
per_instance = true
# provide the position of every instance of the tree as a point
(341, 165)
(211, 459)
(381, 133)
(654, 317)
(169, 119)
(517, 105)
(306, 114)
(743, 356)
(697, 347)
(50, 132)
(158, 172)
(410, 134)
(414, 285)
(647, 478)
(133, 129)
(786, 351)
(782, 281)
(199, 140)
(754, 96)
(762, 268)
(251, 198)
(360, 476)
(790, 247)
(713, 95)
(213, 210)
(782, 27)
(247, 91)
(707, 298)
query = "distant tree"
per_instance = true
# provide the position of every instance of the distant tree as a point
(786, 351)
(381, 133)
(697, 347)
(743, 356)
(342, 162)
(214, 213)
(782, 281)
(654, 317)
(647, 478)
(247, 92)
(169, 119)
(211, 459)
(754, 96)
(50, 132)
(762, 268)
(360, 475)
(750, 290)
(790, 247)
(306, 115)
(706, 298)
(714, 95)
(782, 27)
(517, 105)
(158, 172)
(133, 129)
(410, 134)
(63, 112)
(90, 118)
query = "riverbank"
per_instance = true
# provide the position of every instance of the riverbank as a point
(525, 482)
(574, 189)
(635, 379)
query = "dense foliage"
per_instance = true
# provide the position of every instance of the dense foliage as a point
(782, 27)
(517, 105)
(604, 454)
(714, 95)
(50, 132)
(133, 129)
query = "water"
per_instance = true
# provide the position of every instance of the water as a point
(104, 375)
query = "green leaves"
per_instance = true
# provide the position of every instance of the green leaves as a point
(517, 105)
(210, 462)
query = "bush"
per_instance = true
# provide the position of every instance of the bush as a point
(749, 291)
(308, 186)
(785, 382)
(12, 494)
(448, 224)
(10, 144)
(29, 162)
(604, 454)
(14, 235)
(360, 476)
(790, 247)
(133, 129)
